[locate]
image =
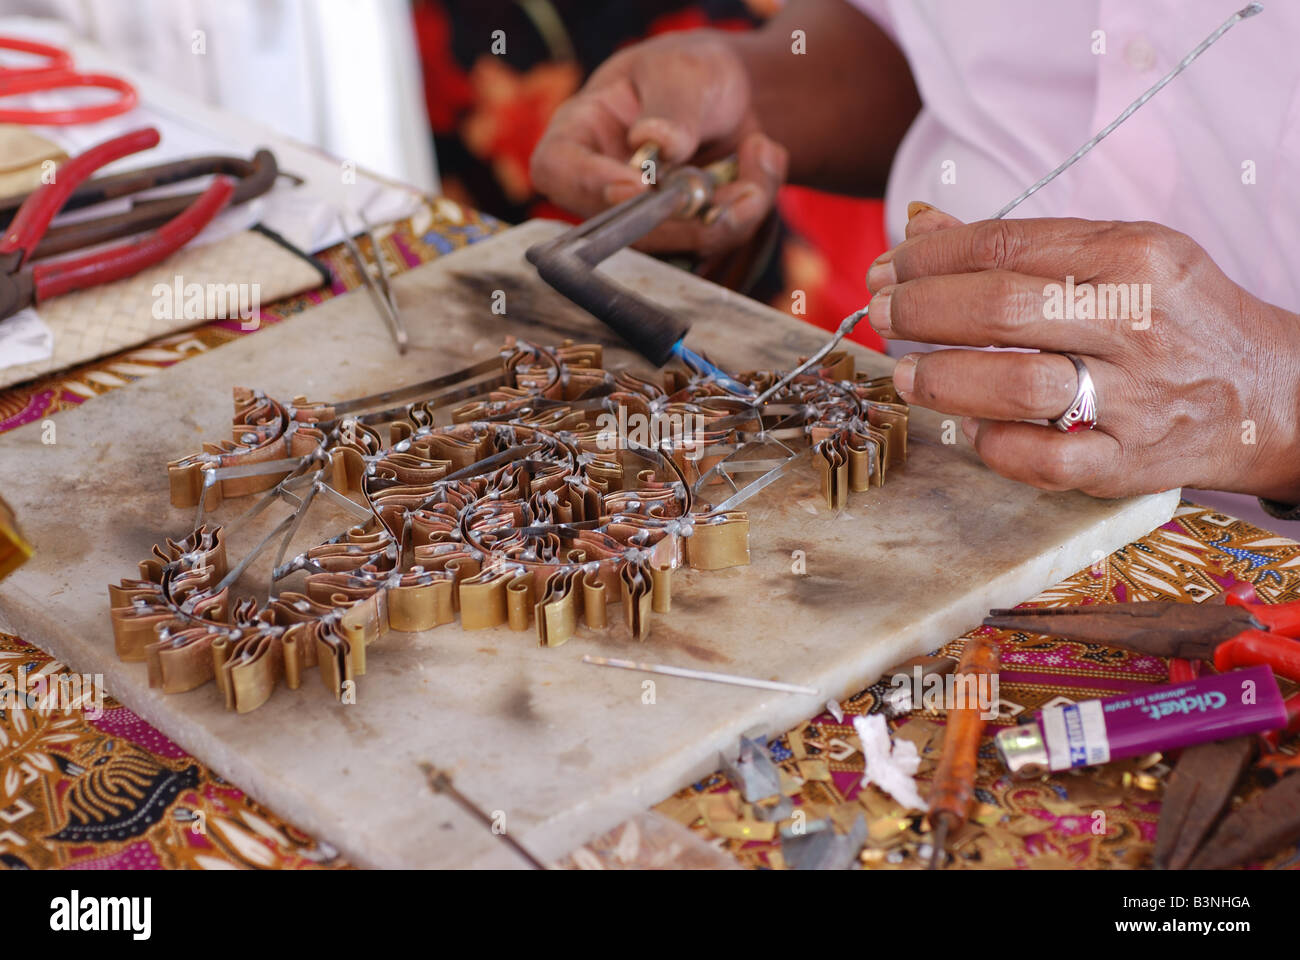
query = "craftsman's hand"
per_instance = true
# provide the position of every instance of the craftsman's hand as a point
(689, 93)
(1202, 389)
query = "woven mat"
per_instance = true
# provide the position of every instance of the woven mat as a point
(112, 317)
(113, 792)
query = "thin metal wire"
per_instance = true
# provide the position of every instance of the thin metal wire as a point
(851, 321)
(846, 327)
(1242, 14)
(689, 674)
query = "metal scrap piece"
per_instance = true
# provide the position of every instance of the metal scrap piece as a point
(1199, 790)
(1258, 828)
(752, 773)
(820, 847)
(774, 812)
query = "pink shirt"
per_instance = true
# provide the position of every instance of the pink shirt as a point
(1013, 87)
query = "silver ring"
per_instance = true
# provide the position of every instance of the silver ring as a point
(1081, 414)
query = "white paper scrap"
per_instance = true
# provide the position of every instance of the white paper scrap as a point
(890, 765)
(24, 338)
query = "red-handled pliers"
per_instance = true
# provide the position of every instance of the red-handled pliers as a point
(1237, 633)
(22, 285)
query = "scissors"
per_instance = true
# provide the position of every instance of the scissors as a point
(22, 285)
(56, 74)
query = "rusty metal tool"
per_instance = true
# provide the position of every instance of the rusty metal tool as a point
(1235, 634)
(1198, 790)
(24, 284)
(1260, 827)
(1200, 787)
(251, 178)
(568, 263)
(954, 780)
(440, 782)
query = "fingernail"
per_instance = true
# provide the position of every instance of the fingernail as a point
(878, 312)
(917, 207)
(771, 157)
(970, 428)
(745, 206)
(882, 272)
(674, 142)
(616, 193)
(905, 374)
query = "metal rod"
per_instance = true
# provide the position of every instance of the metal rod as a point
(418, 390)
(938, 840)
(1248, 11)
(287, 524)
(845, 328)
(386, 309)
(347, 503)
(689, 674)
(748, 490)
(299, 512)
(440, 782)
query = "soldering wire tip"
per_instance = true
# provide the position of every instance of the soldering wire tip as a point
(1250, 10)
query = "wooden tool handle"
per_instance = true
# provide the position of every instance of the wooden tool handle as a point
(953, 786)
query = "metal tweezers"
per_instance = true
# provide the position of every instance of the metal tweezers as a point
(380, 290)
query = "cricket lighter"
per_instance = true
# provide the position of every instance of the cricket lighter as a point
(1164, 718)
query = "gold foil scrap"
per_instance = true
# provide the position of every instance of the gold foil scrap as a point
(794, 740)
(818, 770)
(746, 830)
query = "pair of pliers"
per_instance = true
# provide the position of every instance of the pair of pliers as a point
(23, 285)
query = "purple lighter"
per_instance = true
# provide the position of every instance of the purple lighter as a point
(1212, 707)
